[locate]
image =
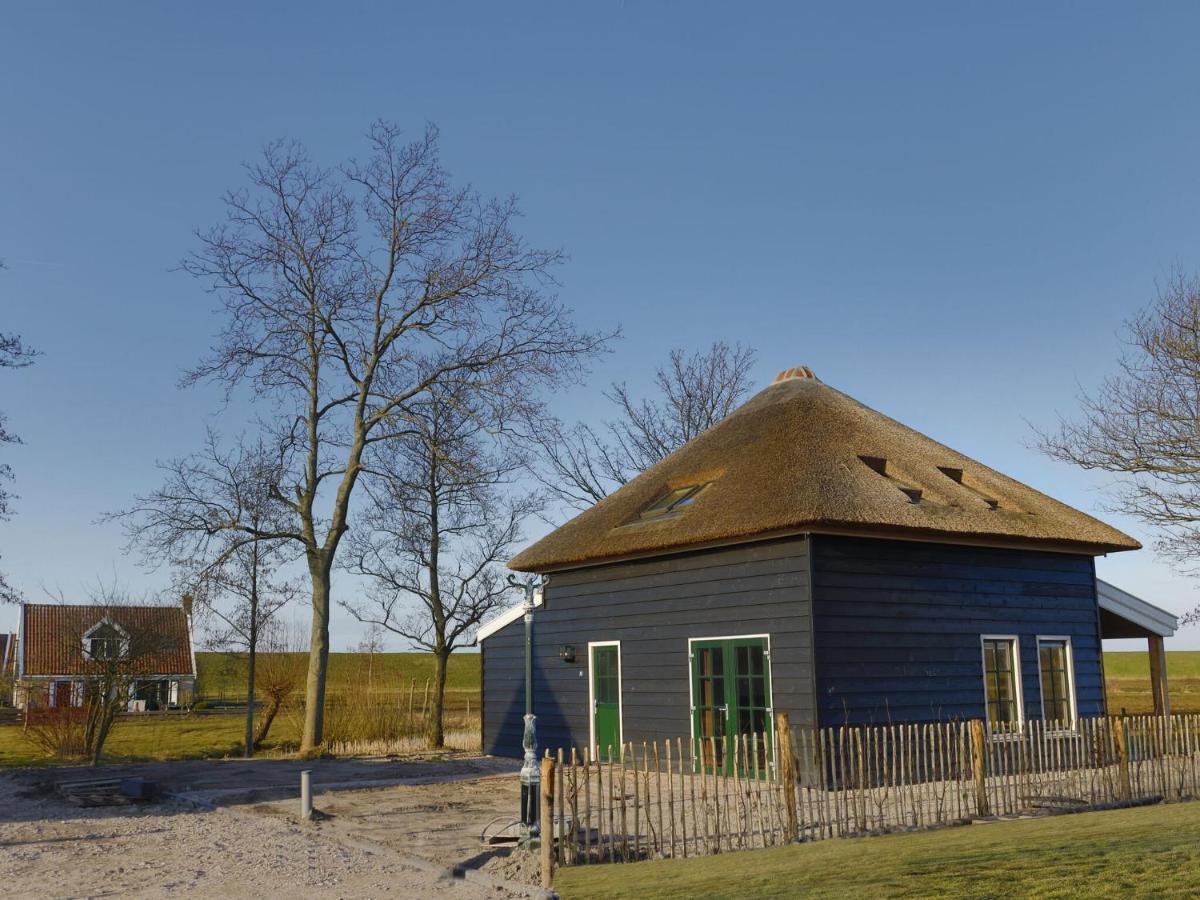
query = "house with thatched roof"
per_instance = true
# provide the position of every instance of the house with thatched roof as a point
(810, 555)
(62, 648)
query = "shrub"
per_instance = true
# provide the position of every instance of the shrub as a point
(58, 731)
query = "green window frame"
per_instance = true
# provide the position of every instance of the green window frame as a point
(1057, 681)
(1002, 683)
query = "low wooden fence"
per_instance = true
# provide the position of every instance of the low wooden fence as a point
(664, 799)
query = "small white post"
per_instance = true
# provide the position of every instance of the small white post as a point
(306, 793)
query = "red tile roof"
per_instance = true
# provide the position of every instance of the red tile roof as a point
(160, 640)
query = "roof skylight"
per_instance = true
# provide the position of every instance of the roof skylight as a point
(672, 501)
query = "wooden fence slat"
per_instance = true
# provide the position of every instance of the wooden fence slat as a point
(547, 818)
(662, 835)
(692, 785)
(670, 799)
(587, 804)
(561, 833)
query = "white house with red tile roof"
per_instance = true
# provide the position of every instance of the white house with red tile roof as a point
(61, 646)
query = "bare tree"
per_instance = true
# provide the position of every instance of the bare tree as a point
(581, 464)
(370, 646)
(14, 354)
(280, 675)
(233, 577)
(1143, 424)
(348, 293)
(443, 517)
(242, 594)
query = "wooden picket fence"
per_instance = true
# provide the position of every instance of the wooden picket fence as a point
(664, 799)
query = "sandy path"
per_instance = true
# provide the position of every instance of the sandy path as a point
(51, 849)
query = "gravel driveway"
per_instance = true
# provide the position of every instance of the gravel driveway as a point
(49, 848)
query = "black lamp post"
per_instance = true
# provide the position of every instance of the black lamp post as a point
(530, 774)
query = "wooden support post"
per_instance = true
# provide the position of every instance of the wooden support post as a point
(1124, 785)
(979, 766)
(1158, 675)
(787, 771)
(547, 823)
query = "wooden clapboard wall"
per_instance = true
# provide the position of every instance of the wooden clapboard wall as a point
(897, 626)
(652, 607)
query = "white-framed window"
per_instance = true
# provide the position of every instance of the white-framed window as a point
(105, 641)
(1056, 680)
(1002, 683)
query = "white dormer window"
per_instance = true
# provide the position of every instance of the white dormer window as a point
(105, 641)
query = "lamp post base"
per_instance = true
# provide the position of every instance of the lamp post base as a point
(531, 782)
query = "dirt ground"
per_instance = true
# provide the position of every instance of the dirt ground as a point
(231, 829)
(442, 822)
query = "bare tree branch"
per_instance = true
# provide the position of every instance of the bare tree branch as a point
(1143, 424)
(14, 354)
(581, 465)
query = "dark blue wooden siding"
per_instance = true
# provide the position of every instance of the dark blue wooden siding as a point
(652, 607)
(897, 626)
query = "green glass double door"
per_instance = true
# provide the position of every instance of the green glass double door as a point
(731, 704)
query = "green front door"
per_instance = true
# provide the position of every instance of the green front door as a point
(606, 701)
(731, 696)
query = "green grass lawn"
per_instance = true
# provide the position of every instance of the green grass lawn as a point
(1127, 679)
(1145, 852)
(224, 674)
(149, 737)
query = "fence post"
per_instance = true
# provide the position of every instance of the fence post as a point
(787, 768)
(979, 766)
(1122, 738)
(547, 823)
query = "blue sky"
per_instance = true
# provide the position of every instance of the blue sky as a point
(946, 209)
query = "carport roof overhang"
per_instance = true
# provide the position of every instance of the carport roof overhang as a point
(1123, 615)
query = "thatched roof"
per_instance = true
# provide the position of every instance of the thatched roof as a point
(802, 457)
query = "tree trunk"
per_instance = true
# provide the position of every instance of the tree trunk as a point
(318, 658)
(435, 733)
(249, 750)
(264, 727)
(252, 645)
(108, 715)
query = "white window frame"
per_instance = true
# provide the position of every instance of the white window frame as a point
(123, 638)
(770, 684)
(1018, 685)
(1073, 701)
(592, 697)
